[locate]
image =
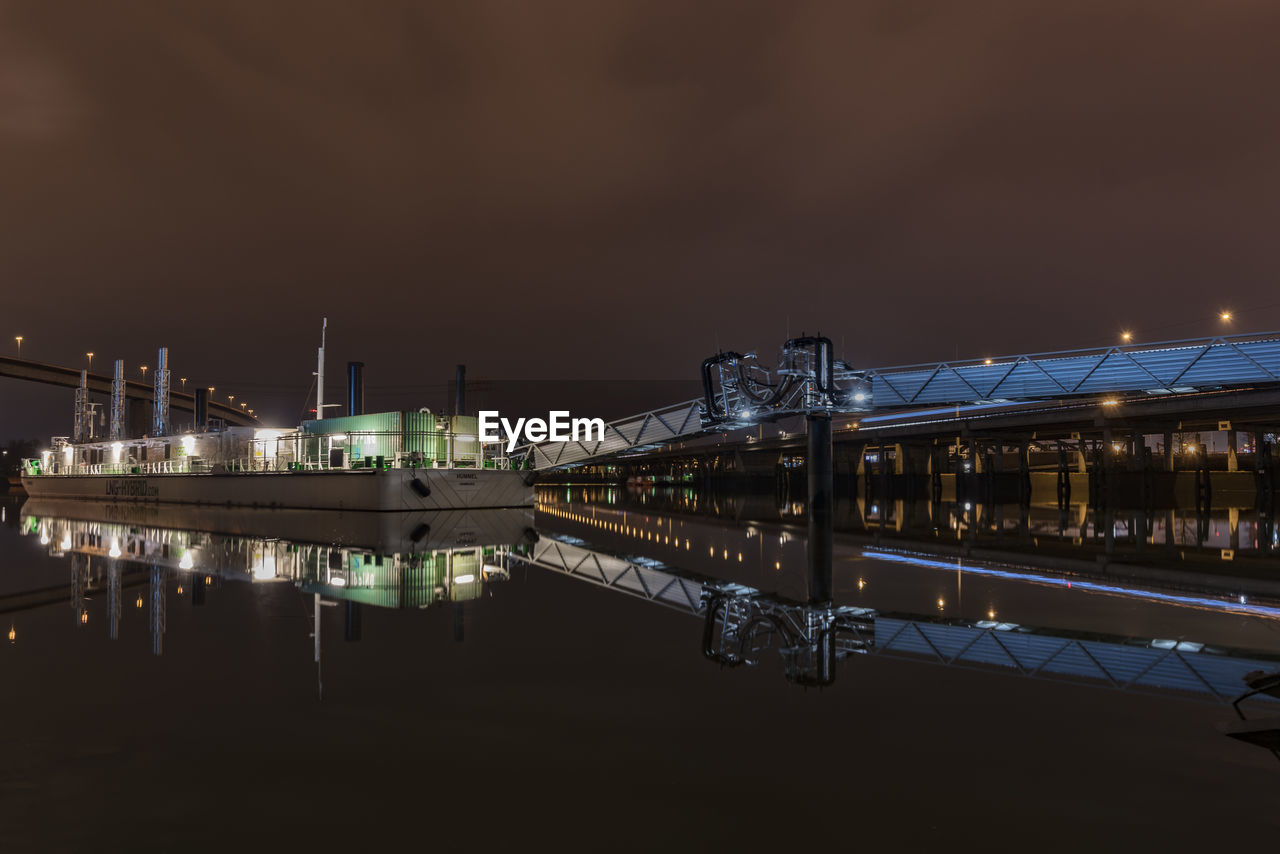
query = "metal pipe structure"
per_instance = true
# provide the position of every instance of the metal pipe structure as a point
(80, 429)
(117, 401)
(821, 492)
(160, 403)
(355, 388)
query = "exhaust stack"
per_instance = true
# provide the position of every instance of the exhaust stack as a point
(160, 405)
(117, 401)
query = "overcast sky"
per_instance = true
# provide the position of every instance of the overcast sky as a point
(613, 189)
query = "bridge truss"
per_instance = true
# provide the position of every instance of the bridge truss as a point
(739, 392)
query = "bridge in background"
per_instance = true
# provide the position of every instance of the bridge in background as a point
(56, 375)
(1199, 377)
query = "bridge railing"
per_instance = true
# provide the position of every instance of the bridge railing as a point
(648, 429)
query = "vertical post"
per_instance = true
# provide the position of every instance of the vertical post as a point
(1233, 453)
(117, 401)
(1168, 450)
(821, 489)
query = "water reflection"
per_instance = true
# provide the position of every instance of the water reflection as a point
(746, 580)
(395, 560)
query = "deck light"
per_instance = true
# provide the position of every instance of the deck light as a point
(986, 361)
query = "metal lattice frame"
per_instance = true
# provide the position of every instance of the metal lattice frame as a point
(1117, 665)
(633, 579)
(637, 432)
(1165, 368)
(1149, 667)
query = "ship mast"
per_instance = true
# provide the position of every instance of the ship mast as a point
(320, 372)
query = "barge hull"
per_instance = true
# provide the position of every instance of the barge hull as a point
(391, 490)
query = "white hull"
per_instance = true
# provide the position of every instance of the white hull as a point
(390, 490)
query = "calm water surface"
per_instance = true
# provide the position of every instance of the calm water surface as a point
(551, 677)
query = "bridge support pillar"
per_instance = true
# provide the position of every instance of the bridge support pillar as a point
(821, 495)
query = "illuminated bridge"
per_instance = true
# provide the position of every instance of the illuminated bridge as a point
(1155, 388)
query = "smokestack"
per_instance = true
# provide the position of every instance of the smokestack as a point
(160, 399)
(81, 430)
(355, 388)
(117, 401)
(460, 404)
(202, 410)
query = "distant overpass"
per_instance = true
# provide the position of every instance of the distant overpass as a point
(56, 375)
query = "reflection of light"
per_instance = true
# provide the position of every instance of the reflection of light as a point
(116, 448)
(1078, 584)
(66, 541)
(338, 581)
(264, 566)
(464, 579)
(84, 617)
(13, 634)
(186, 562)
(139, 602)
(44, 538)
(115, 548)
(188, 445)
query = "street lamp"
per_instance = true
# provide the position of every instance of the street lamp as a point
(1126, 336)
(143, 368)
(1225, 316)
(243, 405)
(230, 398)
(183, 380)
(90, 355)
(18, 338)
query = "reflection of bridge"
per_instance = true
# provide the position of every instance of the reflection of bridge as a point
(1161, 384)
(448, 559)
(55, 375)
(740, 622)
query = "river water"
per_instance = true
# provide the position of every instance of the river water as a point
(979, 676)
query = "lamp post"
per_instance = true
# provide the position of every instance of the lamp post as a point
(18, 338)
(143, 368)
(90, 355)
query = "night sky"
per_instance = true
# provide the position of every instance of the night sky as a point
(614, 190)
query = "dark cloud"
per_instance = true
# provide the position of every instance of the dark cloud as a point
(585, 189)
